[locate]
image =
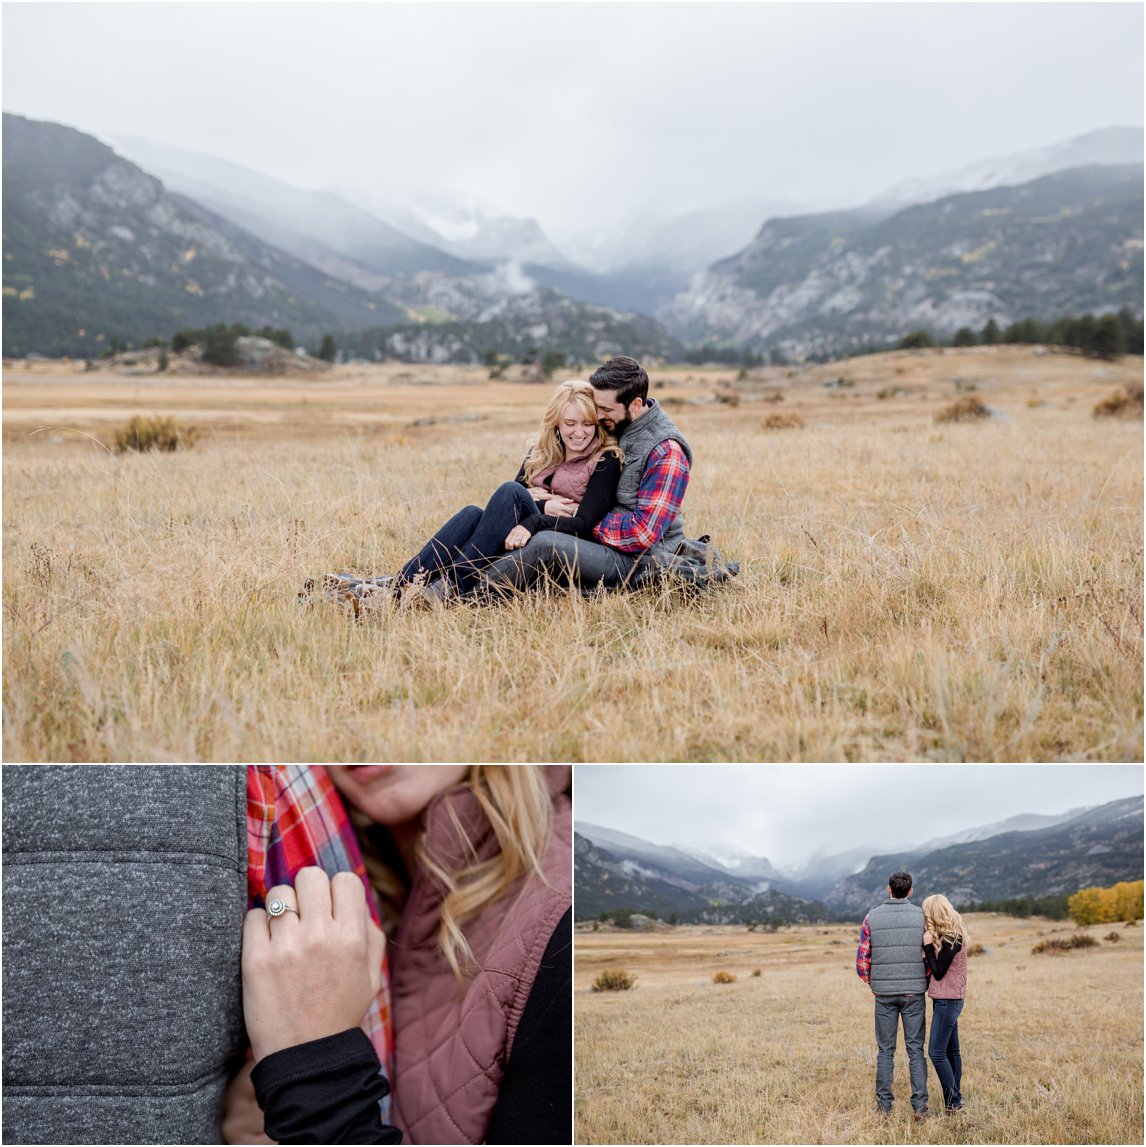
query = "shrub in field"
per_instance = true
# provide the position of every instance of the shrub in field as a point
(1052, 946)
(1113, 937)
(614, 980)
(723, 977)
(755, 971)
(1096, 905)
(965, 409)
(144, 434)
(976, 950)
(1123, 403)
(782, 422)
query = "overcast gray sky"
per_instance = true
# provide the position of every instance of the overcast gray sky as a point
(582, 114)
(789, 812)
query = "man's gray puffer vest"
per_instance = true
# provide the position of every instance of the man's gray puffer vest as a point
(638, 440)
(897, 966)
(124, 897)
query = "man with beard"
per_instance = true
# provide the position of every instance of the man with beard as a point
(644, 528)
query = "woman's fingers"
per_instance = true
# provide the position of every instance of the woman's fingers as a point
(287, 919)
(312, 887)
(348, 900)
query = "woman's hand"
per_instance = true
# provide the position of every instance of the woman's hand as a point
(540, 493)
(314, 973)
(562, 507)
(242, 1115)
(517, 537)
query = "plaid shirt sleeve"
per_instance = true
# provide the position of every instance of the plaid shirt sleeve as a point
(295, 818)
(659, 498)
(863, 953)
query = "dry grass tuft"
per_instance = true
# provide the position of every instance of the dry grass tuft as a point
(778, 421)
(1054, 944)
(1123, 403)
(969, 408)
(976, 950)
(755, 972)
(1113, 937)
(164, 434)
(723, 977)
(614, 980)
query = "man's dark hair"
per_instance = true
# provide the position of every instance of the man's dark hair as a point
(624, 375)
(900, 884)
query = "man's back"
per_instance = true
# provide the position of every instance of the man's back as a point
(897, 966)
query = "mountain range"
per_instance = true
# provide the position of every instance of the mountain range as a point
(1025, 856)
(139, 241)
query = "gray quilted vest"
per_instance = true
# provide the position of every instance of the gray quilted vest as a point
(897, 966)
(124, 897)
(638, 440)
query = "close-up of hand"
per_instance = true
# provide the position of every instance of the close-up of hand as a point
(516, 538)
(561, 507)
(314, 972)
(242, 1115)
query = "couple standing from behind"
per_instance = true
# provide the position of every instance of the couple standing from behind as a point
(905, 953)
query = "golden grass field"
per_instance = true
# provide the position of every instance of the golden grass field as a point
(910, 590)
(1051, 1045)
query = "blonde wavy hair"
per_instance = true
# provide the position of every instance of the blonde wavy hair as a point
(516, 801)
(943, 922)
(549, 450)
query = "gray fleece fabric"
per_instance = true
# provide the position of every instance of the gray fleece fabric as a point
(124, 896)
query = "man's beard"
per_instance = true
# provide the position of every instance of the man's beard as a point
(621, 426)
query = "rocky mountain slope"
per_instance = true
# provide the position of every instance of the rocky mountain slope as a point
(613, 870)
(518, 326)
(1063, 244)
(95, 247)
(1100, 845)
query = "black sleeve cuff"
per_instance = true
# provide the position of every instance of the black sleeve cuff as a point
(324, 1091)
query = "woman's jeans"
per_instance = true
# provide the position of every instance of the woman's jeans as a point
(943, 1049)
(471, 539)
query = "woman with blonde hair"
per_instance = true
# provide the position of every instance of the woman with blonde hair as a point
(472, 868)
(568, 482)
(945, 950)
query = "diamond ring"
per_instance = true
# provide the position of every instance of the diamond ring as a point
(277, 907)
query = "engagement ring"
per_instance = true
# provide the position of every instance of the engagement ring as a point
(278, 907)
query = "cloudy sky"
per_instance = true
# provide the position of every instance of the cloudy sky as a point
(789, 812)
(582, 115)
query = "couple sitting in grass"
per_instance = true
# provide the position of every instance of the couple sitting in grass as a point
(596, 503)
(907, 953)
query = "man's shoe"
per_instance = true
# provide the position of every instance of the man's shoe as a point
(954, 1109)
(921, 1114)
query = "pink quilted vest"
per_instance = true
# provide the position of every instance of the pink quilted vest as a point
(451, 1044)
(953, 986)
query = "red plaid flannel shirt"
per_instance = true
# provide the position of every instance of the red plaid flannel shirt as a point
(295, 818)
(863, 953)
(664, 481)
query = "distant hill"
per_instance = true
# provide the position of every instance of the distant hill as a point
(613, 870)
(1093, 846)
(1064, 244)
(513, 326)
(1110, 146)
(94, 248)
(319, 227)
(1100, 846)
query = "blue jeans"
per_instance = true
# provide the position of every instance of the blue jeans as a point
(471, 539)
(888, 1012)
(566, 559)
(943, 1049)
